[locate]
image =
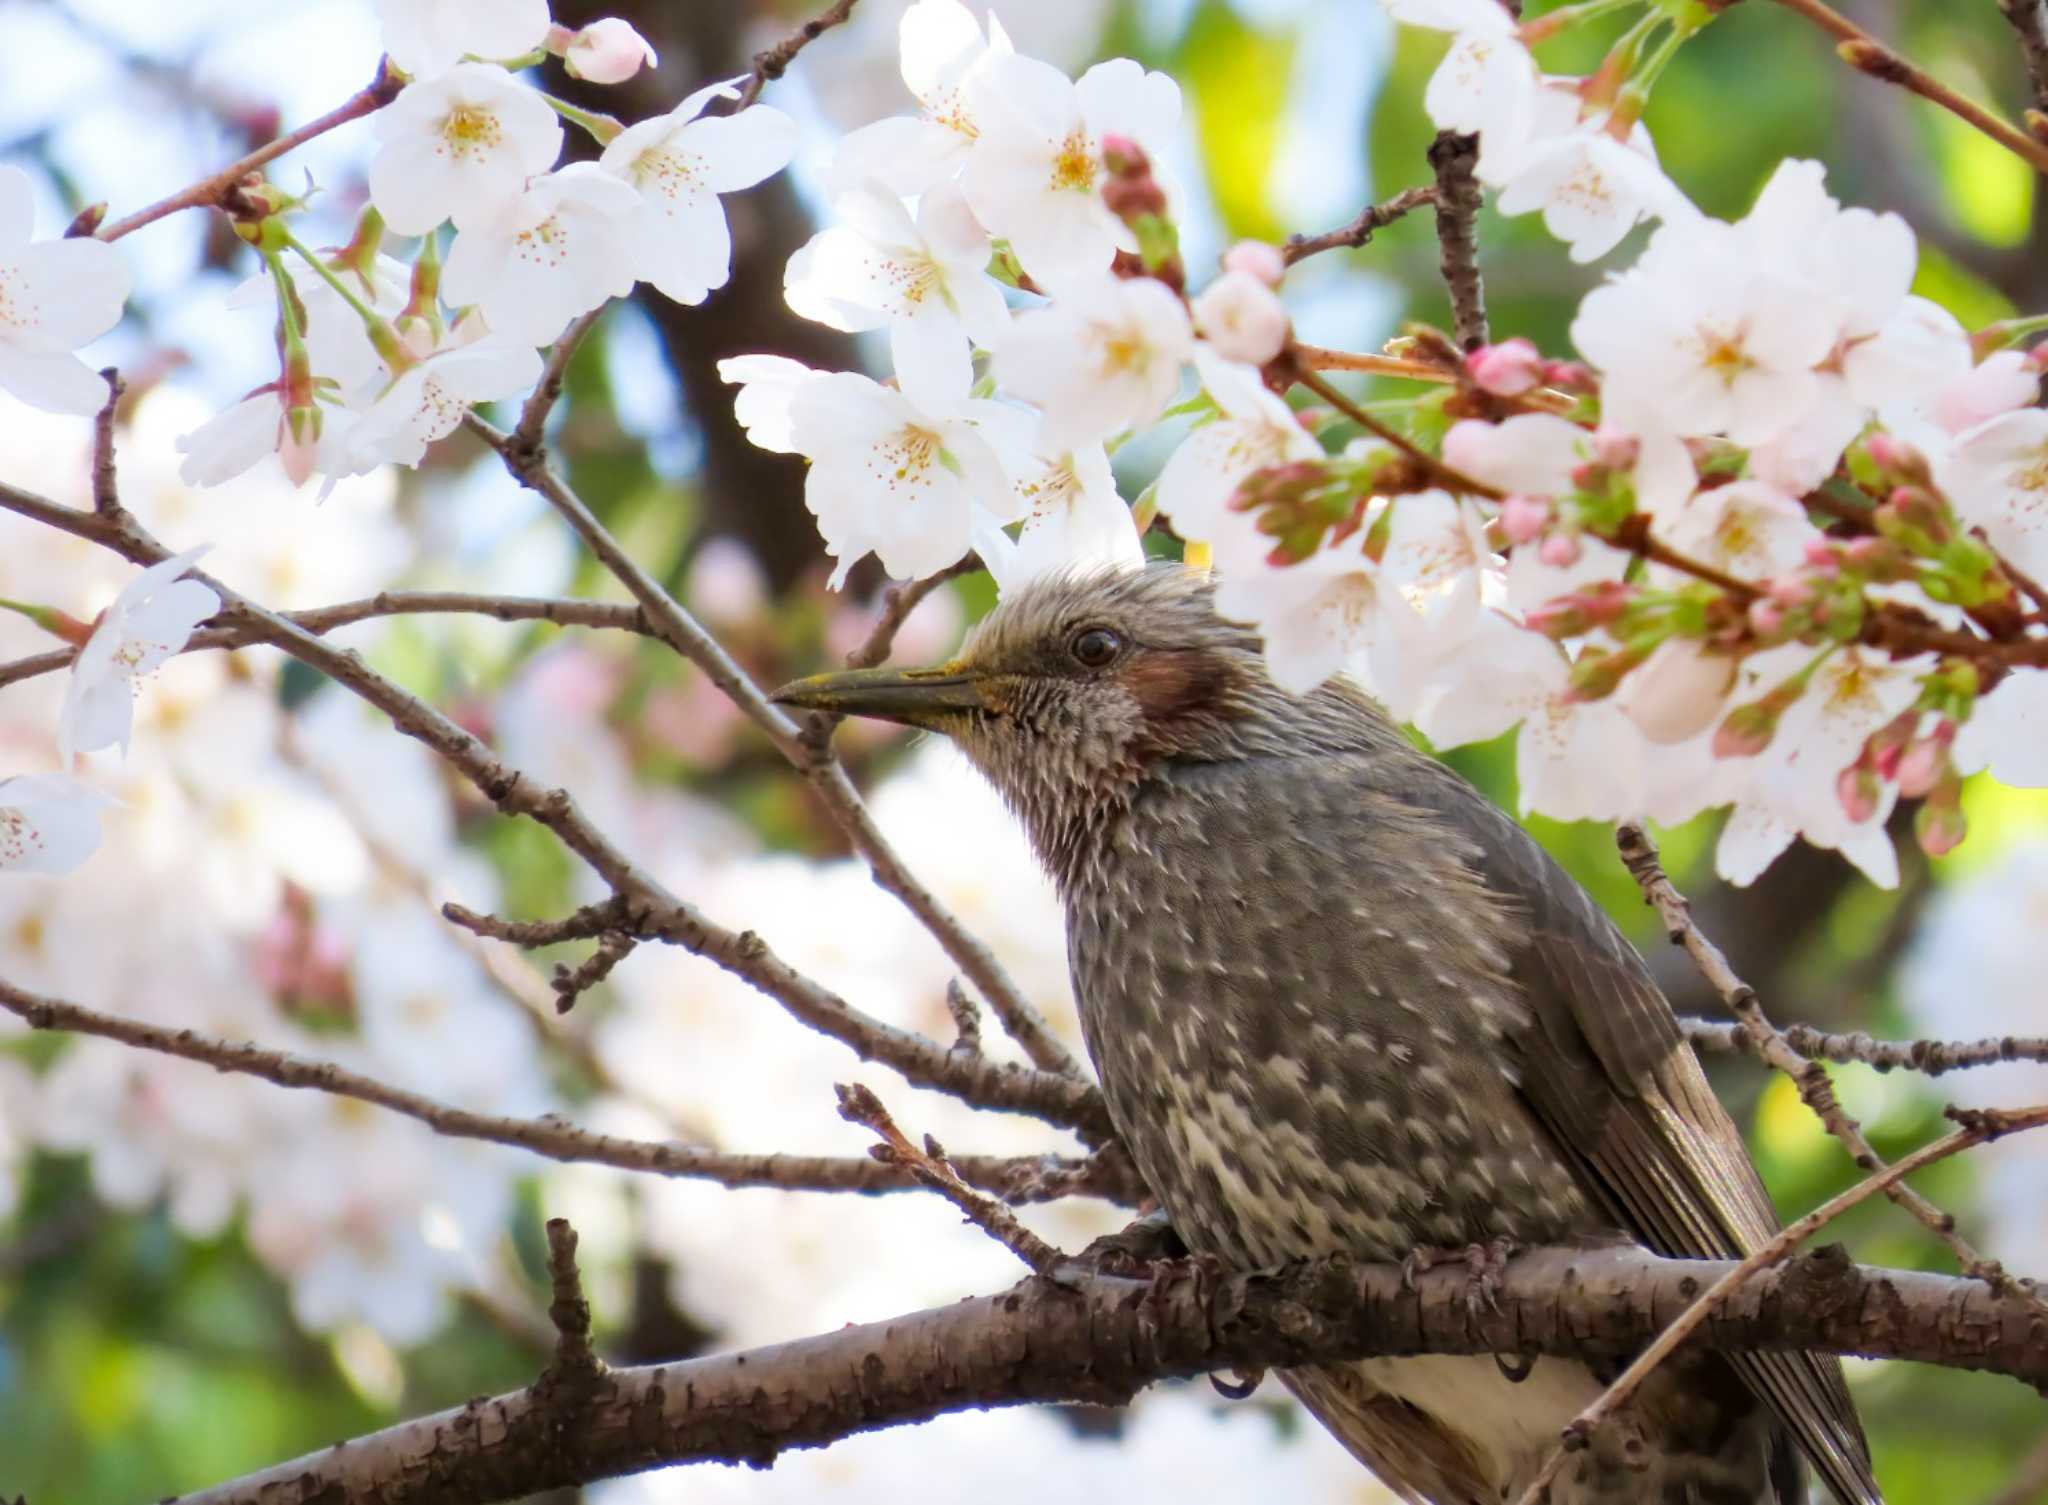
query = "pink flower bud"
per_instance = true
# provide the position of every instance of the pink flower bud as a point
(1559, 550)
(1524, 517)
(1123, 156)
(609, 51)
(1615, 449)
(1821, 554)
(1766, 617)
(1508, 369)
(1572, 376)
(1920, 767)
(1789, 590)
(2006, 379)
(1856, 787)
(1240, 316)
(1256, 258)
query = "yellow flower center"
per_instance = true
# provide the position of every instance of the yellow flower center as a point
(1075, 166)
(470, 131)
(1722, 353)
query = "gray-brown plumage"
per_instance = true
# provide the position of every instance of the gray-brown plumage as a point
(1340, 1002)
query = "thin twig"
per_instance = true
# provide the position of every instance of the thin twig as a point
(1023, 1177)
(1978, 1129)
(1444, 475)
(571, 983)
(587, 923)
(1452, 157)
(106, 490)
(898, 602)
(533, 413)
(675, 625)
(929, 1164)
(966, 1018)
(2030, 19)
(1069, 1100)
(1816, 1088)
(211, 192)
(569, 1310)
(1865, 53)
(1319, 358)
(1929, 1057)
(1360, 231)
(560, 611)
(773, 63)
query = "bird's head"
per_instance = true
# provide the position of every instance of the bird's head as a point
(1075, 689)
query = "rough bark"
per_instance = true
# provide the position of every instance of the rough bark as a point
(1101, 1339)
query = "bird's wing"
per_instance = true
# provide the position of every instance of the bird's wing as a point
(1657, 1146)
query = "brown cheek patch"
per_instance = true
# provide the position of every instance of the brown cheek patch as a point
(1175, 688)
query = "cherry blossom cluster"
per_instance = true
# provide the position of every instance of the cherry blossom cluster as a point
(1763, 540)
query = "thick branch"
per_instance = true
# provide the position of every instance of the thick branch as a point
(1101, 1339)
(1452, 157)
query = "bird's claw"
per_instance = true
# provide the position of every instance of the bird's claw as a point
(1134, 1252)
(1485, 1264)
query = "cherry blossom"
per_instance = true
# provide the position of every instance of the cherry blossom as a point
(1745, 529)
(55, 295)
(1335, 612)
(1240, 316)
(1035, 174)
(459, 146)
(1708, 337)
(888, 476)
(1076, 519)
(545, 255)
(942, 49)
(426, 37)
(925, 282)
(678, 164)
(1997, 476)
(429, 399)
(1255, 430)
(147, 623)
(768, 385)
(1591, 188)
(1680, 690)
(608, 51)
(49, 823)
(1487, 82)
(1106, 355)
(2008, 731)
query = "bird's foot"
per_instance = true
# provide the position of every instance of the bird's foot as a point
(1135, 1252)
(1484, 1263)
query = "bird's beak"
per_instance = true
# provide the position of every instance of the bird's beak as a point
(929, 698)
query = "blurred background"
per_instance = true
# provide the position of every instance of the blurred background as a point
(200, 1275)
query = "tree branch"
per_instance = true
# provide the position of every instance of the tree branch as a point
(675, 625)
(1361, 230)
(2030, 20)
(773, 63)
(1929, 1057)
(1452, 157)
(1101, 1339)
(1816, 1089)
(1017, 1178)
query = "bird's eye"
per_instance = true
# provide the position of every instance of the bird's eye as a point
(1094, 647)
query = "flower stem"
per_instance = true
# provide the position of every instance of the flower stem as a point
(602, 127)
(382, 335)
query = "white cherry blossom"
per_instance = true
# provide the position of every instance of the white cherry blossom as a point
(1487, 82)
(428, 400)
(1996, 474)
(459, 146)
(1077, 519)
(1708, 337)
(677, 239)
(925, 282)
(2008, 731)
(55, 295)
(1256, 430)
(1106, 355)
(1679, 691)
(1035, 174)
(147, 623)
(1333, 613)
(1592, 189)
(553, 251)
(1795, 796)
(942, 47)
(1745, 529)
(427, 37)
(49, 823)
(907, 483)
(767, 384)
